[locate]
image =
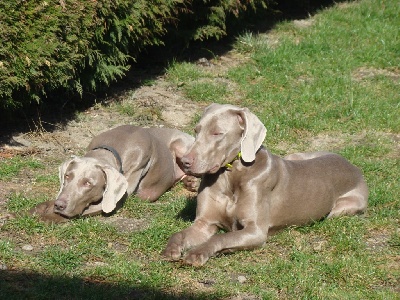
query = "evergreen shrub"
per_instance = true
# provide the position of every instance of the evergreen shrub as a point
(80, 45)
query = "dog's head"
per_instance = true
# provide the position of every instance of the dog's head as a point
(85, 181)
(222, 133)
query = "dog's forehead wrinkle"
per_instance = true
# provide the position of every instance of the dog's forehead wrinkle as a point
(86, 173)
(87, 178)
(216, 122)
(215, 128)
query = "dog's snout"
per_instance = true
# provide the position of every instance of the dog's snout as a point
(187, 161)
(60, 204)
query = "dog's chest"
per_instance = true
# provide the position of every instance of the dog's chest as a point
(239, 196)
(232, 211)
(232, 217)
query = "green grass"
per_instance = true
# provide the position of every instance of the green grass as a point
(311, 80)
(198, 85)
(19, 202)
(9, 168)
(330, 86)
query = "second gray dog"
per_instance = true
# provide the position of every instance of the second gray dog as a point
(120, 161)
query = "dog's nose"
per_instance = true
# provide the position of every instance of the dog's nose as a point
(187, 161)
(60, 205)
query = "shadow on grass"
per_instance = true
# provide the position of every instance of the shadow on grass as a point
(29, 285)
(188, 213)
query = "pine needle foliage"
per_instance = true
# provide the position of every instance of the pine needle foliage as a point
(83, 45)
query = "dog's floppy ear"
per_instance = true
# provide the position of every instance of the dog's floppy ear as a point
(253, 135)
(116, 187)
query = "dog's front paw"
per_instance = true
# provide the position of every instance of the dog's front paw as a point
(191, 183)
(196, 257)
(172, 252)
(45, 212)
(174, 248)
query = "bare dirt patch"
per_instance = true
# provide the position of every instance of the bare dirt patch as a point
(128, 225)
(364, 73)
(156, 105)
(303, 23)
(337, 141)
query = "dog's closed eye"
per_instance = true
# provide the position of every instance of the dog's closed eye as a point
(86, 182)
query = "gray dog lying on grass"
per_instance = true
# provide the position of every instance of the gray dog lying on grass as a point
(251, 193)
(119, 162)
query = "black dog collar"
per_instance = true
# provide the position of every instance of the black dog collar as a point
(115, 153)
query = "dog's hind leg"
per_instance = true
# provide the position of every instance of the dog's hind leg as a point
(351, 203)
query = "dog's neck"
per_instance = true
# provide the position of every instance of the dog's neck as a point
(238, 157)
(115, 154)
